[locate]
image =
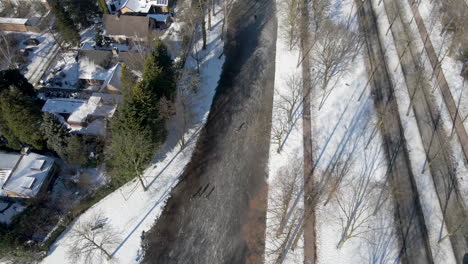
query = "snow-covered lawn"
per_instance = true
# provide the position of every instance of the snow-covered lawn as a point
(442, 252)
(130, 210)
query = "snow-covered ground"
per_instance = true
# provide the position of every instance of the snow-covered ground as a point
(41, 57)
(442, 252)
(68, 73)
(291, 155)
(451, 67)
(345, 131)
(130, 210)
(342, 128)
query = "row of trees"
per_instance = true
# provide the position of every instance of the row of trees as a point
(138, 127)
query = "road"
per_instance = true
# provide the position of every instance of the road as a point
(410, 222)
(216, 214)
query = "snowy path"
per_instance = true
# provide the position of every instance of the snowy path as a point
(129, 209)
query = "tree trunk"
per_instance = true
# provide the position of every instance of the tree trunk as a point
(142, 183)
(203, 25)
(209, 18)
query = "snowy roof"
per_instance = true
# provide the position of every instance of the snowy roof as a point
(27, 179)
(159, 17)
(88, 70)
(127, 26)
(109, 99)
(8, 160)
(143, 6)
(113, 78)
(62, 105)
(11, 20)
(82, 112)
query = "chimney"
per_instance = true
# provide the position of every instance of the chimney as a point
(115, 51)
(25, 151)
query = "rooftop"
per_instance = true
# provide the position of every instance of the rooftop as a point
(62, 105)
(30, 173)
(11, 20)
(127, 26)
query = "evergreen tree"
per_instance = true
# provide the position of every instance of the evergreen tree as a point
(22, 116)
(76, 153)
(81, 11)
(65, 26)
(158, 73)
(137, 127)
(13, 76)
(103, 6)
(56, 134)
(127, 80)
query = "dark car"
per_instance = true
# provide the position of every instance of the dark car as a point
(31, 41)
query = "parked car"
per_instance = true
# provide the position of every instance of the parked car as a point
(31, 41)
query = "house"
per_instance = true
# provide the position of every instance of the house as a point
(128, 29)
(94, 66)
(87, 117)
(101, 68)
(139, 6)
(25, 175)
(32, 24)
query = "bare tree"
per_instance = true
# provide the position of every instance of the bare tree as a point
(185, 105)
(356, 206)
(289, 101)
(8, 50)
(381, 243)
(92, 240)
(279, 130)
(290, 25)
(335, 50)
(320, 12)
(287, 185)
(227, 8)
(196, 55)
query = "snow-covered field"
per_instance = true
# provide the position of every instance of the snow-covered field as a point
(130, 210)
(442, 252)
(342, 128)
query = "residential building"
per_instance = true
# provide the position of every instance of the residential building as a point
(25, 175)
(140, 6)
(89, 117)
(129, 29)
